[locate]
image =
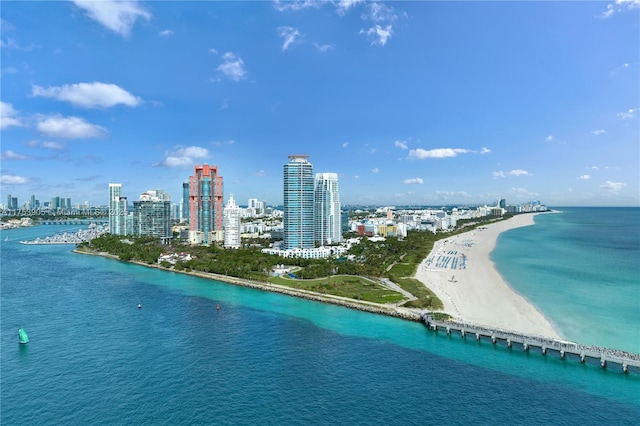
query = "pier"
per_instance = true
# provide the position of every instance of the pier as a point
(564, 349)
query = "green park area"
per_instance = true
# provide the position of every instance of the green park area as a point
(349, 286)
(358, 275)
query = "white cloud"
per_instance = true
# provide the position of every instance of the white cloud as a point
(290, 35)
(165, 33)
(89, 95)
(378, 35)
(378, 12)
(11, 155)
(375, 170)
(214, 51)
(584, 177)
(421, 154)
(613, 186)
(516, 172)
(629, 114)
(14, 180)
(550, 138)
(383, 18)
(232, 67)
(346, 144)
(46, 144)
(323, 48)
(261, 173)
(296, 5)
(400, 144)
(598, 132)
(184, 157)
(8, 116)
(343, 6)
(413, 181)
(619, 6)
(57, 126)
(117, 16)
(485, 150)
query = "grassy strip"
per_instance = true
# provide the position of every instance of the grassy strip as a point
(353, 287)
(426, 298)
(404, 269)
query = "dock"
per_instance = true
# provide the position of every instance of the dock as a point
(564, 349)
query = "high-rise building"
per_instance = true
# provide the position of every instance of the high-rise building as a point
(205, 201)
(54, 204)
(9, 201)
(298, 203)
(32, 202)
(232, 220)
(152, 215)
(184, 204)
(117, 210)
(255, 207)
(327, 222)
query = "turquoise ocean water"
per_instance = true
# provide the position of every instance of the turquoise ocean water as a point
(94, 358)
(581, 268)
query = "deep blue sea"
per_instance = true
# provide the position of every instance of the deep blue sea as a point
(94, 358)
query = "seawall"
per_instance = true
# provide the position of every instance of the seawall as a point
(375, 308)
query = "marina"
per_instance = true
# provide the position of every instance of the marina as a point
(80, 236)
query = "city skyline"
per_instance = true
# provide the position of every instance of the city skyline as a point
(409, 103)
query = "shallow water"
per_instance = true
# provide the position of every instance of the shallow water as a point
(94, 357)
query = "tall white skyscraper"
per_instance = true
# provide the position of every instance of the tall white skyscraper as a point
(231, 224)
(117, 210)
(328, 221)
(298, 203)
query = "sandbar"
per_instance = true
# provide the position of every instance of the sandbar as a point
(460, 272)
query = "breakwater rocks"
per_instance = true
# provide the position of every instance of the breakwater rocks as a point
(374, 308)
(398, 312)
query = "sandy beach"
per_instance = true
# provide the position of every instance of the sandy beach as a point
(460, 272)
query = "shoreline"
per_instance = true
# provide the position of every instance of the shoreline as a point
(460, 271)
(370, 307)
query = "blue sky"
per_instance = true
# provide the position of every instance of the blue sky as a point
(427, 103)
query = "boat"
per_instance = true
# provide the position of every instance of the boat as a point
(139, 305)
(22, 336)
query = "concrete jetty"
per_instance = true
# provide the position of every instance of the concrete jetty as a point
(564, 349)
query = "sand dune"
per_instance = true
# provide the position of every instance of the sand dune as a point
(478, 294)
